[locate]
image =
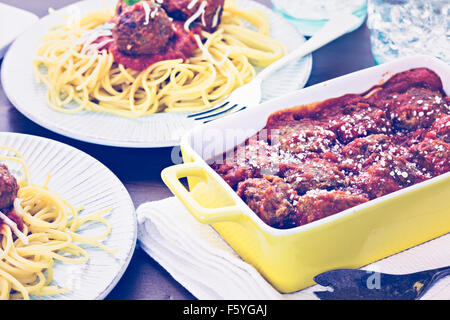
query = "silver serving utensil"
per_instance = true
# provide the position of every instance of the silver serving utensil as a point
(350, 284)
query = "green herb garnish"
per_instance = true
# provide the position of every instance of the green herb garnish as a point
(131, 2)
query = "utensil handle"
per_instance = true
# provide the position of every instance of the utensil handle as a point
(434, 275)
(441, 273)
(333, 29)
(171, 177)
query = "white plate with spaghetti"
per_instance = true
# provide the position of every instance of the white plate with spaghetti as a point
(88, 96)
(68, 224)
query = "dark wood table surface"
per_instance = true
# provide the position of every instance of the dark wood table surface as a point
(145, 279)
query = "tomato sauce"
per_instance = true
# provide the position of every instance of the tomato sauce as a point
(332, 155)
(11, 214)
(181, 46)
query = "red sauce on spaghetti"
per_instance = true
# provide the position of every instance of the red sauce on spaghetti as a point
(11, 214)
(181, 46)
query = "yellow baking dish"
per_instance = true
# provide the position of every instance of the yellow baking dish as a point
(289, 259)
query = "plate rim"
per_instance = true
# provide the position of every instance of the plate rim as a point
(104, 141)
(126, 262)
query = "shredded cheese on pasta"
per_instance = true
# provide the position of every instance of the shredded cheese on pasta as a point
(147, 12)
(198, 13)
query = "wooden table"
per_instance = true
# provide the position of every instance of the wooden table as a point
(144, 278)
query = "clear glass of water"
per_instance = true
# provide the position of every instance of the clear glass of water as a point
(400, 28)
(310, 15)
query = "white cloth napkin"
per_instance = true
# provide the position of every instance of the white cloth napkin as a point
(199, 259)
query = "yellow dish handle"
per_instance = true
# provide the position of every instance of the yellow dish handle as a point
(171, 177)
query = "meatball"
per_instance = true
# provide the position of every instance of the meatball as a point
(184, 9)
(363, 148)
(432, 155)
(376, 182)
(358, 121)
(142, 28)
(233, 173)
(408, 138)
(420, 77)
(441, 128)
(388, 173)
(313, 174)
(271, 199)
(255, 159)
(318, 204)
(363, 152)
(8, 187)
(303, 137)
(415, 108)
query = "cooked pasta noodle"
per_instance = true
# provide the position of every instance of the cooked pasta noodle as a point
(50, 225)
(82, 78)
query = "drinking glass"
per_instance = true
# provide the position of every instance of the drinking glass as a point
(400, 28)
(310, 15)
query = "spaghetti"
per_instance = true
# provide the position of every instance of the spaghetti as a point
(82, 74)
(43, 229)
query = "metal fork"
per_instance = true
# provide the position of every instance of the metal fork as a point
(250, 94)
(366, 285)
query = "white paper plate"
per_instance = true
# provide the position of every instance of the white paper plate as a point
(83, 181)
(157, 130)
